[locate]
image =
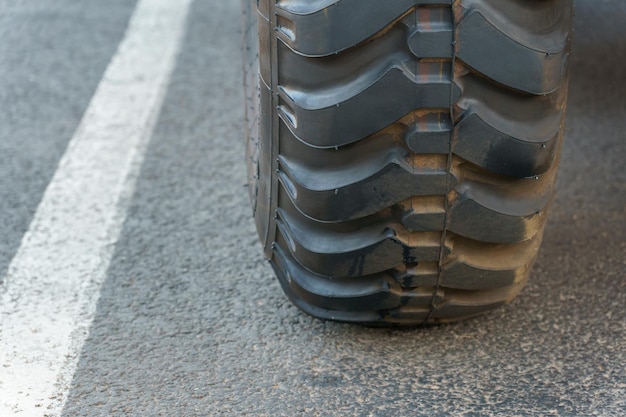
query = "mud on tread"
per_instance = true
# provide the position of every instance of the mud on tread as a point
(404, 166)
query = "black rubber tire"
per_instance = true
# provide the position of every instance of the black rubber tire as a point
(402, 154)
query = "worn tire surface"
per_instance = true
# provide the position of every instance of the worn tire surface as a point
(402, 154)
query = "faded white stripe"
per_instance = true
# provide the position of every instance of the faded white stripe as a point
(52, 285)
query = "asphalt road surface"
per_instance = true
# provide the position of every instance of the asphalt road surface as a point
(182, 317)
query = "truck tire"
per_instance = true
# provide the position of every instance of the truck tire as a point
(402, 154)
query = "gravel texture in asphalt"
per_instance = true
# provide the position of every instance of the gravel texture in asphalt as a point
(191, 320)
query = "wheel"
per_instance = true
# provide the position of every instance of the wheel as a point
(402, 154)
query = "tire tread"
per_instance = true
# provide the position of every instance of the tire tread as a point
(416, 153)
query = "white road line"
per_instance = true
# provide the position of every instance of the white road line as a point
(53, 283)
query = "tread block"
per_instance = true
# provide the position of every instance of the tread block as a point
(367, 293)
(425, 214)
(306, 25)
(456, 311)
(433, 36)
(499, 152)
(354, 248)
(510, 220)
(406, 316)
(491, 52)
(509, 134)
(424, 274)
(323, 82)
(391, 97)
(362, 294)
(461, 303)
(356, 191)
(466, 277)
(430, 133)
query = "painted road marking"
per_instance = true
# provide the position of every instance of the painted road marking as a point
(53, 283)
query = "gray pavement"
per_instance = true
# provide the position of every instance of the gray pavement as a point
(52, 56)
(191, 320)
